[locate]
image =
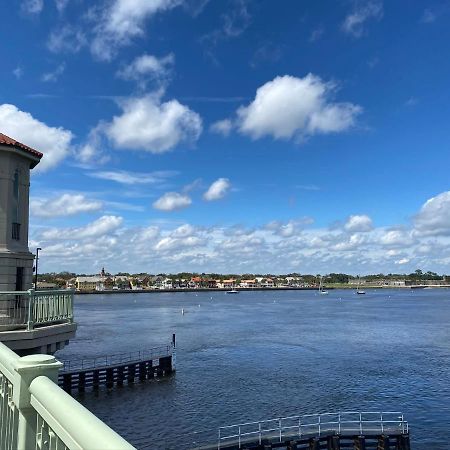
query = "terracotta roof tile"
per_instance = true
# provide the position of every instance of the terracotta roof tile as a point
(6, 140)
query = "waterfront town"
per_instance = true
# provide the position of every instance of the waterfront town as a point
(105, 281)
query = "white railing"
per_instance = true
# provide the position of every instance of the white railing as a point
(36, 414)
(341, 423)
(27, 309)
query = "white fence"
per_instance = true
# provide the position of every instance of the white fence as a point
(36, 414)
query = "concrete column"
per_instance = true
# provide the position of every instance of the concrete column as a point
(27, 369)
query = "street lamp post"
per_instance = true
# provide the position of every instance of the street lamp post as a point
(36, 274)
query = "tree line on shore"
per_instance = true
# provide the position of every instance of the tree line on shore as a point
(61, 278)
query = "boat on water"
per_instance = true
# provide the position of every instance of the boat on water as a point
(322, 290)
(359, 291)
(233, 291)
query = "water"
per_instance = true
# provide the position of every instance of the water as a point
(259, 355)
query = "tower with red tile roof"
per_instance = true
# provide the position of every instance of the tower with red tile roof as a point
(16, 261)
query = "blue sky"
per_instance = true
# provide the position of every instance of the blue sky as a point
(233, 135)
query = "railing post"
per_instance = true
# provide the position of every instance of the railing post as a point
(174, 353)
(30, 307)
(27, 369)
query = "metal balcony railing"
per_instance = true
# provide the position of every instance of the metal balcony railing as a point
(341, 423)
(28, 309)
(36, 414)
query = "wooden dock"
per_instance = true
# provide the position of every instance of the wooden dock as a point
(116, 370)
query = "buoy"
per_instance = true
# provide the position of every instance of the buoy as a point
(182, 311)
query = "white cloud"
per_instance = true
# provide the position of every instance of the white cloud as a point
(172, 201)
(289, 107)
(66, 39)
(170, 243)
(32, 6)
(428, 16)
(354, 23)
(54, 75)
(100, 227)
(123, 21)
(149, 125)
(433, 218)
(402, 261)
(217, 190)
(148, 67)
(126, 177)
(65, 205)
(316, 34)
(358, 223)
(183, 231)
(18, 72)
(53, 142)
(61, 5)
(222, 127)
(396, 238)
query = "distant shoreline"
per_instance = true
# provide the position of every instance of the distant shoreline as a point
(157, 291)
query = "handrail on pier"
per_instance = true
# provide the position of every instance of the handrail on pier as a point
(118, 358)
(339, 423)
(36, 414)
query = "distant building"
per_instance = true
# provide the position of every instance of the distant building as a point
(92, 283)
(248, 283)
(44, 285)
(227, 284)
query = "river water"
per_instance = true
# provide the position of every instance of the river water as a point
(265, 354)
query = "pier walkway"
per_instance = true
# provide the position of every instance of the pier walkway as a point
(330, 431)
(115, 370)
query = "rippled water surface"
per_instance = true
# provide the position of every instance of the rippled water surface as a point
(259, 355)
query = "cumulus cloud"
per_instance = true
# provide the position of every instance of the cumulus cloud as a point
(172, 201)
(433, 218)
(130, 178)
(148, 124)
(54, 142)
(357, 223)
(123, 21)
(222, 127)
(396, 238)
(147, 67)
(217, 190)
(354, 23)
(290, 107)
(171, 243)
(65, 205)
(100, 227)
